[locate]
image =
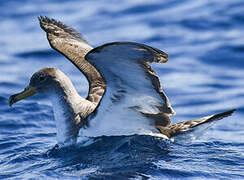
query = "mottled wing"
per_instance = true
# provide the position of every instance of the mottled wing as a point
(72, 45)
(186, 126)
(131, 84)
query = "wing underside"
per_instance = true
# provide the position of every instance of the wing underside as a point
(133, 90)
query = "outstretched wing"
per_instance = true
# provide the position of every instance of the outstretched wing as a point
(190, 126)
(72, 45)
(133, 90)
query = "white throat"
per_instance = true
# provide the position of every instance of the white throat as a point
(69, 112)
(64, 118)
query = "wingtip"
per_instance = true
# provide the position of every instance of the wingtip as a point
(231, 111)
(40, 17)
(52, 26)
(223, 114)
(43, 20)
(46, 23)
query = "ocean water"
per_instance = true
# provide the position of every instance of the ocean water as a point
(204, 75)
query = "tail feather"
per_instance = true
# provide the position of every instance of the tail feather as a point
(181, 127)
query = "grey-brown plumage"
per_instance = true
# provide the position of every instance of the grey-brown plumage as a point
(73, 46)
(70, 109)
(125, 94)
(181, 127)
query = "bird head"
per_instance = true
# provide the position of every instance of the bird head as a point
(41, 82)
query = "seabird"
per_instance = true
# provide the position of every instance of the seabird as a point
(125, 95)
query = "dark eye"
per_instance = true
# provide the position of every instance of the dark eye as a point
(42, 78)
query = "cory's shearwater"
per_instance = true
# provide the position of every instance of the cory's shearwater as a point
(125, 95)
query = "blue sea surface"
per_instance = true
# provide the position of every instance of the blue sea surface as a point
(204, 75)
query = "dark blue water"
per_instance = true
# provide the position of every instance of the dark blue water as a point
(204, 75)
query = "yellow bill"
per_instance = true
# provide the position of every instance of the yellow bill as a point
(28, 91)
